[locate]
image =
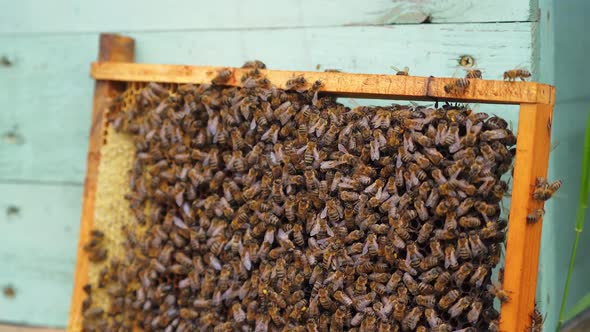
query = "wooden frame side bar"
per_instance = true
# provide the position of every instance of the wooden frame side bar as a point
(112, 48)
(342, 84)
(524, 239)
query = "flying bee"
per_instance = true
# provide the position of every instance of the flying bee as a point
(401, 72)
(458, 86)
(513, 74)
(460, 306)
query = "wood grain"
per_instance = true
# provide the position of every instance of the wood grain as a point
(340, 84)
(151, 15)
(524, 239)
(112, 48)
(56, 116)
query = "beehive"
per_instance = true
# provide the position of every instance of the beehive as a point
(427, 87)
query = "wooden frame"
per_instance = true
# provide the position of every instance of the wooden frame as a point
(533, 136)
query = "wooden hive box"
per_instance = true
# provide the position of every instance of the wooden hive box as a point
(103, 195)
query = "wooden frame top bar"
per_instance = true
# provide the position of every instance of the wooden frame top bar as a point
(343, 84)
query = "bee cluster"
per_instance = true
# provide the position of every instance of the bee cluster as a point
(268, 209)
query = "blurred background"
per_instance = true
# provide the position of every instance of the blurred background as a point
(46, 101)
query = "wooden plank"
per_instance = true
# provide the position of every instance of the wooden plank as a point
(58, 117)
(38, 231)
(15, 328)
(112, 48)
(524, 239)
(340, 84)
(33, 16)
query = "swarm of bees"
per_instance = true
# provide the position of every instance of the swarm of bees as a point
(270, 209)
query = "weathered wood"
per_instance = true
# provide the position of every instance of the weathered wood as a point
(524, 239)
(152, 15)
(38, 232)
(340, 84)
(112, 48)
(56, 116)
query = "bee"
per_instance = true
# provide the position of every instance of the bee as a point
(473, 73)
(254, 64)
(393, 281)
(475, 311)
(462, 273)
(478, 248)
(223, 76)
(513, 74)
(338, 318)
(544, 191)
(448, 299)
(401, 72)
(410, 283)
(496, 290)
(537, 321)
(427, 301)
(432, 317)
(412, 318)
(424, 232)
(399, 311)
(450, 257)
(463, 247)
(341, 297)
(469, 222)
(297, 83)
(460, 306)
(479, 276)
(457, 87)
(413, 256)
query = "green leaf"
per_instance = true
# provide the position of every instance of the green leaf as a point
(583, 304)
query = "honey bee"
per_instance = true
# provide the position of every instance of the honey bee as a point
(513, 74)
(544, 191)
(450, 257)
(475, 312)
(401, 72)
(223, 76)
(448, 299)
(479, 276)
(496, 290)
(254, 64)
(473, 73)
(463, 247)
(478, 248)
(432, 317)
(427, 301)
(298, 84)
(457, 87)
(412, 318)
(537, 320)
(462, 273)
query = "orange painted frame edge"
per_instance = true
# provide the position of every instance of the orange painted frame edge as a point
(112, 48)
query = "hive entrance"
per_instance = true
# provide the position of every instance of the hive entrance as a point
(262, 208)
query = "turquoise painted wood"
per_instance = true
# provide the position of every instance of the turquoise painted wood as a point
(571, 110)
(38, 231)
(47, 93)
(39, 16)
